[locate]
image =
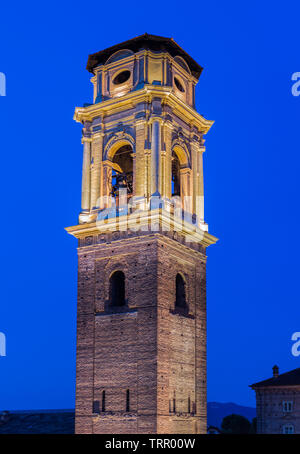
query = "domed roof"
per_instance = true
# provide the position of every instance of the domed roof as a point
(151, 42)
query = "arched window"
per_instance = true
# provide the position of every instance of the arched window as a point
(180, 301)
(189, 404)
(117, 289)
(175, 175)
(122, 173)
(127, 400)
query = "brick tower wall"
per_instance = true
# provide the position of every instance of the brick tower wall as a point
(147, 347)
(181, 341)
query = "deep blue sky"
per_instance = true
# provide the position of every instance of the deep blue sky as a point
(249, 51)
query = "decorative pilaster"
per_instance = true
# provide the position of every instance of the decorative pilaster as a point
(96, 148)
(198, 185)
(162, 182)
(200, 198)
(155, 157)
(167, 192)
(140, 177)
(106, 184)
(98, 85)
(94, 82)
(194, 147)
(185, 178)
(86, 175)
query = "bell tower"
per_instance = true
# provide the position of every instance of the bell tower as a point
(141, 318)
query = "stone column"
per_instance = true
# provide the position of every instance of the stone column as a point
(155, 157)
(200, 198)
(140, 176)
(94, 82)
(86, 175)
(162, 186)
(168, 160)
(98, 87)
(185, 190)
(148, 160)
(96, 147)
(195, 173)
(198, 186)
(106, 184)
(104, 84)
(148, 172)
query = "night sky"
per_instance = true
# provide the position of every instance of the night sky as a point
(249, 52)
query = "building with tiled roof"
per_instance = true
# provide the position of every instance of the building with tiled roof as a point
(278, 403)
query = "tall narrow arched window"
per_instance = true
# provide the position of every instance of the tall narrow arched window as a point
(103, 400)
(122, 173)
(175, 175)
(117, 289)
(127, 400)
(180, 301)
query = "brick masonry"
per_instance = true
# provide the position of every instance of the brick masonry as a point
(145, 347)
(271, 417)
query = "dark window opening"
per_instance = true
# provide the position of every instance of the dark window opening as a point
(122, 179)
(180, 292)
(174, 405)
(127, 400)
(178, 84)
(121, 77)
(175, 175)
(103, 400)
(117, 289)
(96, 406)
(189, 405)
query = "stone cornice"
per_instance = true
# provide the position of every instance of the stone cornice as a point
(275, 388)
(156, 218)
(128, 101)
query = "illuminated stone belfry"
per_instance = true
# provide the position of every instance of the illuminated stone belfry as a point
(141, 327)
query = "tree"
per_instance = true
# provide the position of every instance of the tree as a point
(253, 428)
(235, 424)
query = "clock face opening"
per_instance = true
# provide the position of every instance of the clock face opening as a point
(121, 77)
(178, 84)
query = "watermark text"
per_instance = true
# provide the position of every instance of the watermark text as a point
(296, 86)
(2, 84)
(296, 345)
(2, 344)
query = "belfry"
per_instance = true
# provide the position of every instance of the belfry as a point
(141, 316)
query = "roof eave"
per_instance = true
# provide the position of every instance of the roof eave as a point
(93, 59)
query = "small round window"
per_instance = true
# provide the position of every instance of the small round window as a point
(121, 77)
(178, 84)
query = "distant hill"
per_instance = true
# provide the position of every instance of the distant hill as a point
(37, 422)
(216, 412)
(62, 421)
